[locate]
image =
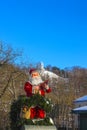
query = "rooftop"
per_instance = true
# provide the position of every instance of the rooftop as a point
(81, 99)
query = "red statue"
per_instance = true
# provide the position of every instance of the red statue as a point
(33, 86)
(36, 84)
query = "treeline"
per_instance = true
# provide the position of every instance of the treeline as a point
(13, 77)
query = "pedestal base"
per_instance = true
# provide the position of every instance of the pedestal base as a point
(35, 127)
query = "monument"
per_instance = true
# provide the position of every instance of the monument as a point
(32, 111)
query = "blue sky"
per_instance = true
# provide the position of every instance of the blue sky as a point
(52, 31)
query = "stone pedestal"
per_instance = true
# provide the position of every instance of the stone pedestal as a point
(33, 127)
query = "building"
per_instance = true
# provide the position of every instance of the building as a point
(80, 113)
(45, 73)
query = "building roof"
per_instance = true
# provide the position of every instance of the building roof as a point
(82, 109)
(81, 99)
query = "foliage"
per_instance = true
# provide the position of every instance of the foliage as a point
(17, 121)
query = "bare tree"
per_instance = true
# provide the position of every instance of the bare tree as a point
(11, 79)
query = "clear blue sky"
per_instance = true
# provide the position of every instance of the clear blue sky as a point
(52, 31)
